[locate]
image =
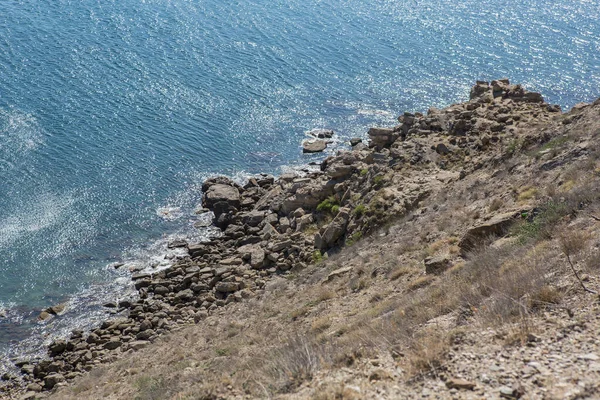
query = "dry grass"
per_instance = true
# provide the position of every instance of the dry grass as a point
(426, 354)
(527, 193)
(421, 282)
(401, 271)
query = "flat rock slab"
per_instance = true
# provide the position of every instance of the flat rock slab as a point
(316, 146)
(496, 226)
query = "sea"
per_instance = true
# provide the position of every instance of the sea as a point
(112, 113)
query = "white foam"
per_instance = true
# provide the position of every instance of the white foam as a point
(19, 132)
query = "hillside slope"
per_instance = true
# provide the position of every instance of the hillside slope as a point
(456, 256)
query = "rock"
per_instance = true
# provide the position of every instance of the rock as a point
(355, 141)
(511, 393)
(52, 380)
(321, 133)
(330, 234)
(303, 222)
(457, 383)
(257, 257)
(253, 218)
(34, 387)
(281, 245)
(145, 325)
(479, 90)
(221, 193)
(198, 250)
(44, 315)
(176, 243)
(338, 170)
(145, 335)
(442, 149)
(112, 344)
(138, 344)
(382, 137)
(337, 273)
(227, 287)
(57, 347)
(316, 146)
(29, 395)
(496, 226)
(57, 309)
(308, 197)
(161, 290)
(436, 265)
(184, 296)
(589, 357)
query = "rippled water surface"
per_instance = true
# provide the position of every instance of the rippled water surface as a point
(112, 112)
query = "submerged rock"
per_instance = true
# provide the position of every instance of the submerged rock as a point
(322, 133)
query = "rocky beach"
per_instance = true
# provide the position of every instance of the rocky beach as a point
(446, 185)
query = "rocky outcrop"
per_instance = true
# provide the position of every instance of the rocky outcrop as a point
(496, 226)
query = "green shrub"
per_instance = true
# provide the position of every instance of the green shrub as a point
(317, 256)
(541, 225)
(330, 205)
(355, 237)
(359, 210)
(378, 180)
(364, 172)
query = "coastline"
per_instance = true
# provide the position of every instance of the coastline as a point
(277, 226)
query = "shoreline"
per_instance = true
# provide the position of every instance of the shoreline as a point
(275, 226)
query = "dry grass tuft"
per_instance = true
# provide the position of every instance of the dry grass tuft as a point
(401, 271)
(421, 282)
(296, 362)
(426, 354)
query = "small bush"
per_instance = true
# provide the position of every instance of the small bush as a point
(543, 224)
(378, 180)
(355, 237)
(329, 205)
(364, 172)
(317, 257)
(359, 210)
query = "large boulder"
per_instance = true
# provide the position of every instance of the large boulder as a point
(331, 233)
(221, 193)
(382, 137)
(496, 226)
(308, 196)
(315, 146)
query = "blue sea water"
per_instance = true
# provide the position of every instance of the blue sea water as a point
(113, 112)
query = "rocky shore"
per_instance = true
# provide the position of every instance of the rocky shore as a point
(276, 226)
